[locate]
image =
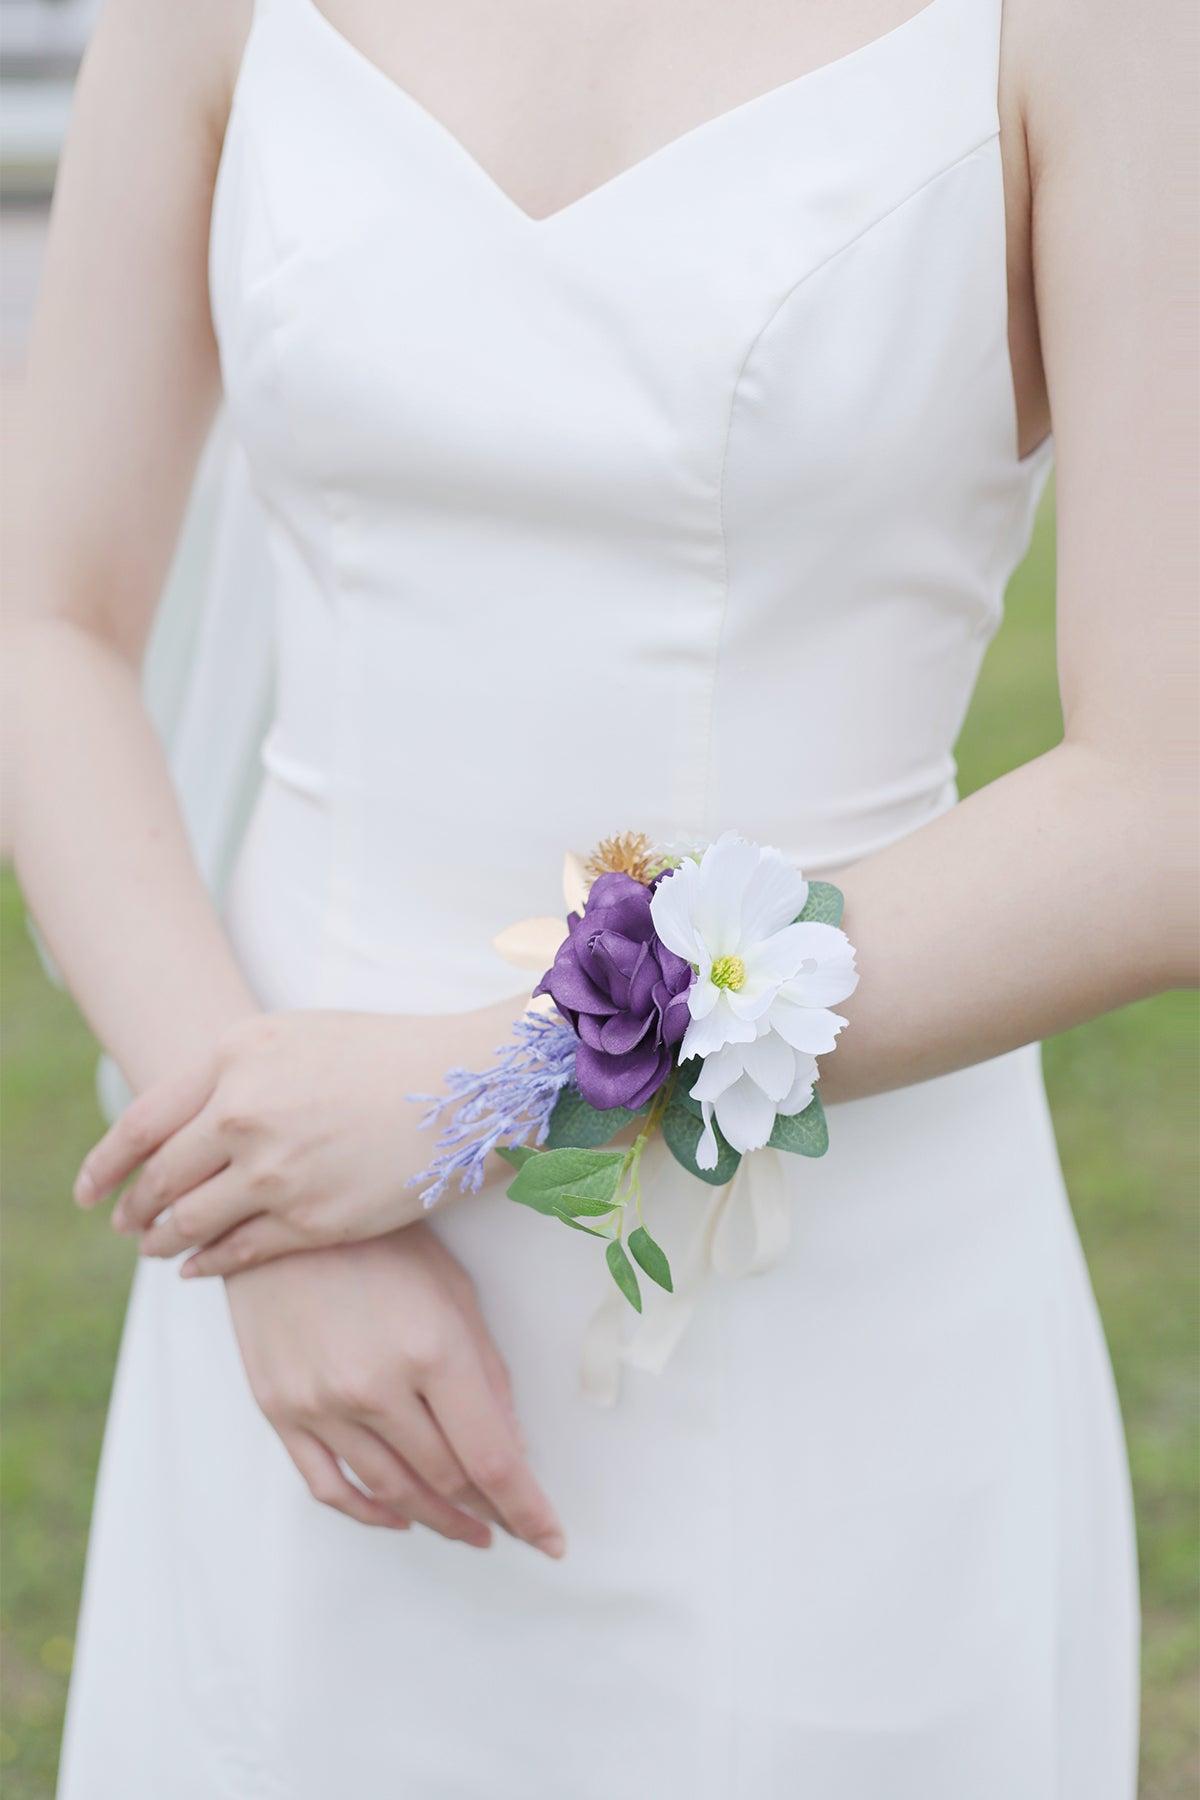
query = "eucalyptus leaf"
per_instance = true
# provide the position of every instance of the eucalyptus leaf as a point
(622, 1273)
(549, 1176)
(651, 1257)
(682, 1130)
(580, 1207)
(564, 1218)
(824, 904)
(515, 1154)
(685, 1081)
(576, 1124)
(804, 1134)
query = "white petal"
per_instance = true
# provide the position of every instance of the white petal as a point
(802, 1088)
(706, 1149)
(719, 1071)
(725, 870)
(777, 959)
(753, 1000)
(703, 1036)
(771, 1062)
(827, 973)
(808, 1028)
(775, 895)
(671, 910)
(824, 984)
(702, 997)
(745, 1115)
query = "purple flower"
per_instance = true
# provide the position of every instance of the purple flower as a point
(623, 991)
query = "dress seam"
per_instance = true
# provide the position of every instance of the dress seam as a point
(706, 822)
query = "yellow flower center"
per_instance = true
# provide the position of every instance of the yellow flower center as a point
(729, 972)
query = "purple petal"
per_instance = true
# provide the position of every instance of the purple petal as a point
(621, 1034)
(628, 1080)
(570, 987)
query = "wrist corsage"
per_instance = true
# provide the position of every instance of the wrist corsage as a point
(689, 1000)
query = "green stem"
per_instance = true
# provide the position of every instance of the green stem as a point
(631, 1169)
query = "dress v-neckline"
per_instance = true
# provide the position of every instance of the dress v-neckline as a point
(676, 145)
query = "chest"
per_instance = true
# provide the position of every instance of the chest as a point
(555, 100)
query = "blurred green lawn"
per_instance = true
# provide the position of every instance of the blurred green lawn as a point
(1123, 1093)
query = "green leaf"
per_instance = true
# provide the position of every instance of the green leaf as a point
(622, 1273)
(564, 1218)
(580, 1207)
(549, 1176)
(516, 1154)
(804, 1134)
(651, 1257)
(824, 904)
(575, 1124)
(685, 1081)
(682, 1129)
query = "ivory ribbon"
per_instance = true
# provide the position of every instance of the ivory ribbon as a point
(744, 1229)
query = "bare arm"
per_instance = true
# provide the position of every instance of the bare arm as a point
(120, 390)
(1068, 887)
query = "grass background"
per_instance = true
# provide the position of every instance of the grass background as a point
(1123, 1094)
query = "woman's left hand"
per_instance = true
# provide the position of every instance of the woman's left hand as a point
(294, 1133)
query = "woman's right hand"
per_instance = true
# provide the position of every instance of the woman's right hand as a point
(377, 1354)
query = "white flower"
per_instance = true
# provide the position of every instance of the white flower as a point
(764, 984)
(746, 1085)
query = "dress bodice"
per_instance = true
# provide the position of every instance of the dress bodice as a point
(691, 505)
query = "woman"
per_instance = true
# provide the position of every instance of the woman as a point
(646, 410)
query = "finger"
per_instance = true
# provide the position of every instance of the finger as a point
(148, 1120)
(394, 1483)
(188, 1157)
(326, 1483)
(260, 1239)
(494, 1365)
(417, 1438)
(202, 1216)
(461, 1399)
(496, 1370)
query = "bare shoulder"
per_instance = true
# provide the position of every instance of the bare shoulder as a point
(175, 53)
(1079, 70)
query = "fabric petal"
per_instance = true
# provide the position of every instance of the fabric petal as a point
(702, 997)
(745, 1115)
(620, 1034)
(673, 1014)
(705, 1035)
(802, 1088)
(770, 1061)
(706, 1149)
(719, 1071)
(753, 1000)
(826, 976)
(725, 871)
(808, 1028)
(570, 987)
(671, 911)
(775, 896)
(628, 1080)
(776, 959)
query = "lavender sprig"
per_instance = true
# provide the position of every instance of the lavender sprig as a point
(504, 1104)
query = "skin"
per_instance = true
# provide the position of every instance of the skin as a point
(1058, 892)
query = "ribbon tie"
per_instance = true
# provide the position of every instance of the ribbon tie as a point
(742, 1228)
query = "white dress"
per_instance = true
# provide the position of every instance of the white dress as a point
(689, 507)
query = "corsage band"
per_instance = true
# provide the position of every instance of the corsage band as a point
(687, 1004)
